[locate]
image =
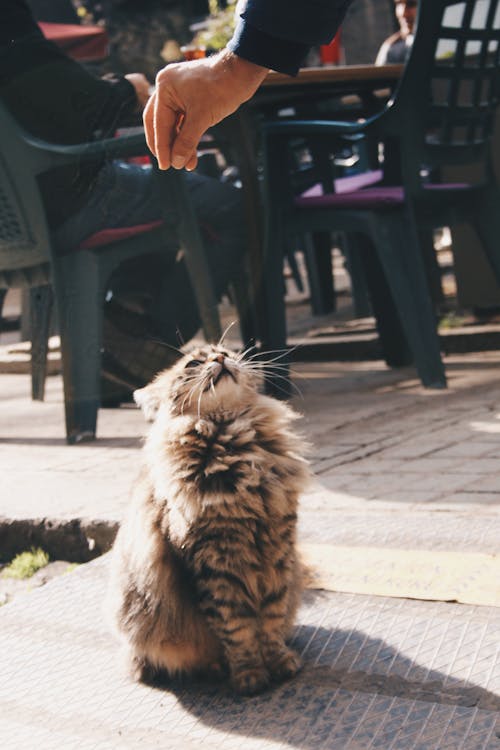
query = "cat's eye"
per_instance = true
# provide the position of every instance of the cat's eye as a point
(193, 363)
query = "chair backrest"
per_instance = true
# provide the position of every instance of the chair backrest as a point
(444, 108)
(24, 235)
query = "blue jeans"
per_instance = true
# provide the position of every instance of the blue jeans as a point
(124, 195)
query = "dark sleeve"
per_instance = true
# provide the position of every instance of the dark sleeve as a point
(58, 100)
(50, 94)
(55, 98)
(277, 34)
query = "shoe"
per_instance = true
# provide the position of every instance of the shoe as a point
(117, 385)
(130, 358)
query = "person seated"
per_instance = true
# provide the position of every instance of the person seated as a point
(58, 100)
(396, 48)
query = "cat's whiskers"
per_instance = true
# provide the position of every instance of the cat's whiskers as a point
(241, 356)
(203, 386)
(263, 368)
(267, 365)
(281, 353)
(259, 368)
(280, 356)
(225, 332)
(288, 383)
(195, 377)
(159, 341)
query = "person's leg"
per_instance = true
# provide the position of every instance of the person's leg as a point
(219, 209)
(126, 195)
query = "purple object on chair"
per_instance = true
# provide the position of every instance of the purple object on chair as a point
(361, 191)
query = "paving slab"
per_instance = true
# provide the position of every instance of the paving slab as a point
(378, 673)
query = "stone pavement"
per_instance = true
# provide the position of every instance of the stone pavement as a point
(398, 468)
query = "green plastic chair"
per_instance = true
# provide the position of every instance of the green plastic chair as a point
(440, 119)
(28, 258)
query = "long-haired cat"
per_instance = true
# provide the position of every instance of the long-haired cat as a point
(205, 576)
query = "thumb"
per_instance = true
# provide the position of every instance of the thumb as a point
(186, 142)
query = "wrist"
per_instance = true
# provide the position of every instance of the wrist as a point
(244, 75)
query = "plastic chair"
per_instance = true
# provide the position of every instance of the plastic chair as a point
(29, 258)
(440, 118)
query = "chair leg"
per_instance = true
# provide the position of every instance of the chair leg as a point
(357, 271)
(273, 334)
(240, 287)
(396, 242)
(294, 268)
(318, 255)
(3, 294)
(432, 269)
(268, 281)
(40, 305)
(487, 225)
(79, 294)
(393, 341)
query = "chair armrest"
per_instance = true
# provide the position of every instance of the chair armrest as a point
(306, 128)
(49, 155)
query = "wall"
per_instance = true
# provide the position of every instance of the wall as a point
(367, 24)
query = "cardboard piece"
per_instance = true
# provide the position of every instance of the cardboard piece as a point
(469, 578)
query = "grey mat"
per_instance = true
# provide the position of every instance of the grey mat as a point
(379, 673)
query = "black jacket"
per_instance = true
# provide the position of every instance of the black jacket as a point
(277, 34)
(57, 99)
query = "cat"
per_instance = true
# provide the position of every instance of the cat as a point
(205, 576)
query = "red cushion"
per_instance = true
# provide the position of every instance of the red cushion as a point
(83, 43)
(107, 236)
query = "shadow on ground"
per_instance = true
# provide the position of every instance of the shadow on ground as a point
(348, 688)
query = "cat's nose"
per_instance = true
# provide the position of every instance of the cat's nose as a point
(220, 358)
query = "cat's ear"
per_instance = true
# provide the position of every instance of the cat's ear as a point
(148, 399)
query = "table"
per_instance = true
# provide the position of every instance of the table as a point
(82, 43)
(310, 86)
(336, 80)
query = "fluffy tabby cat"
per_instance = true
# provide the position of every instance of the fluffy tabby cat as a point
(205, 576)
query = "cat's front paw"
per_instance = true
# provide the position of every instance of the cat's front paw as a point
(250, 681)
(284, 665)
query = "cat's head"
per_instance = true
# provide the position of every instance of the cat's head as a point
(208, 379)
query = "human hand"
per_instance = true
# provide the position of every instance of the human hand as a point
(192, 96)
(142, 88)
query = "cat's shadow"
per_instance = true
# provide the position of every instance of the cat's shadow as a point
(338, 665)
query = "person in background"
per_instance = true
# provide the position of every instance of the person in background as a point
(192, 96)
(396, 48)
(57, 99)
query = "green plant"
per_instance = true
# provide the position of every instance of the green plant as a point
(26, 564)
(219, 26)
(452, 320)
